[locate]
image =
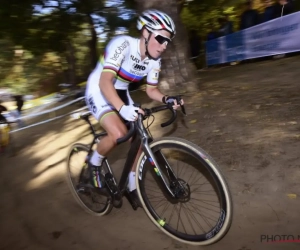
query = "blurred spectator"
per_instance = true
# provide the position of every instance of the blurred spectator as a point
(268, 13)
(283, 8)
(2, 109)
(194, 43)
(226, 26)
(195, 46)
(250, 17)
(19, 103)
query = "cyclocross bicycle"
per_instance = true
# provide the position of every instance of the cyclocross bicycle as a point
(179, 185)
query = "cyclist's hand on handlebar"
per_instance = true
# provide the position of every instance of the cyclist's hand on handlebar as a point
(129, 112)
(177, 101)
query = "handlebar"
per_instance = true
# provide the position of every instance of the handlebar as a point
(128, 135)
(149, 112)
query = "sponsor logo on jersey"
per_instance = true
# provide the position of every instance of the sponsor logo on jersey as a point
(134, 59)
(92, 105)
(119, 50)
(138, 67)
(137, 73)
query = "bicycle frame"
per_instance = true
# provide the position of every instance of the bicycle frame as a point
(140, 138)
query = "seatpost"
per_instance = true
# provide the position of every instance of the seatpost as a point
(91, 126)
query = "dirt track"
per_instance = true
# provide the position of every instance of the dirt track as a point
(245, 116)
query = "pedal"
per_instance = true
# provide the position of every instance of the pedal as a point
(133, 199)
(113, 190)
(85, 188)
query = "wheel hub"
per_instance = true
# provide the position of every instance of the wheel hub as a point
(181, 189)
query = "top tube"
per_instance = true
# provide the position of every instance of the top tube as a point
(141, 117)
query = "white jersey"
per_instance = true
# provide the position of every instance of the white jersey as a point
(123, 58)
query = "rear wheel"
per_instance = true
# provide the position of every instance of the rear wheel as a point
(89, 198)
(201, 211)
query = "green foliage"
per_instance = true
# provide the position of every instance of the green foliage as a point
(203, 15)
(48, 37)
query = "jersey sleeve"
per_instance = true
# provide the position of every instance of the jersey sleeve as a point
(114, 54)
(153, 75)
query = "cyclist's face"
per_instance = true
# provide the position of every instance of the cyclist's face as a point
(158, 42)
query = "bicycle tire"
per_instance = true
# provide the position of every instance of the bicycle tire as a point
(107, 207)
(223, 222)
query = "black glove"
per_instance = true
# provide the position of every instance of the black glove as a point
(171, 99)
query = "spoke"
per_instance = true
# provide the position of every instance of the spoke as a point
(194, 219)
(179, 219)
(207, 202)
(159, 203)
(198, 179)
(201, 191)
(198, 211)
(155, 196)
(172, 213)
(198, 186)
(208, 220)
(192, 176)
(165, 209)
(189, 213)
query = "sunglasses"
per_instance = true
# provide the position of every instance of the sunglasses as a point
(161, 39)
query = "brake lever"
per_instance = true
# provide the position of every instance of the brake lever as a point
(178, 99)
(147, 113)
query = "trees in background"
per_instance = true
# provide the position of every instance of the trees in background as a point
(47, 42)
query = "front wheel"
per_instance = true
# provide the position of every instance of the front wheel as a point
(201, 211)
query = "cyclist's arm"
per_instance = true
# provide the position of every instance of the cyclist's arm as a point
(107, 88)
(116, 51)
(152, 81)
(154, 93)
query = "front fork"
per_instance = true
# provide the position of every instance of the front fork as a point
(153, 160)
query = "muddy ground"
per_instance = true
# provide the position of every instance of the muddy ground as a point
(245, 116)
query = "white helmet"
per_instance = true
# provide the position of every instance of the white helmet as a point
(156, 20)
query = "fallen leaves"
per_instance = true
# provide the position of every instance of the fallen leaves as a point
(292, 196)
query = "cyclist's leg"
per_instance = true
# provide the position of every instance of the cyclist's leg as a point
(110, 121)
(132, 182)
(131, 178)
(115, 128)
